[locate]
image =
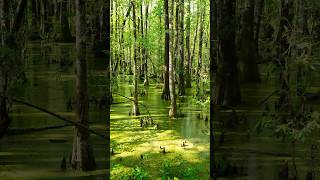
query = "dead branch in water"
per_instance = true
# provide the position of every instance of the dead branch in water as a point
(79, 125)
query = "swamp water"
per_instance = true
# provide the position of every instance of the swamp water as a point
(38, 154)
(50, 83)
(261, 156)
(244, 154)
(137, 149)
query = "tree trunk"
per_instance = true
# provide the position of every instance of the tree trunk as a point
(227, 83)
(166, 92)
(188, 69)
(6, 19)
(108, 63)
(213, 71)
(2, 23)
(247, 55)
(194, 41)
(64, 22)
(303, 24)
(258, 14)
(199, 69)
(82, 155)
(160, 55)
(4, 117)
(35, 19)
(181, 47)
(172, 64)
(135, 58)
(146, 55)
(141, 43)
(47, 20)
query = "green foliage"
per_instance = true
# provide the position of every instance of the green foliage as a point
(295, 129)
(167, 171)
(136, 173)
(139, 173)
(181, 170)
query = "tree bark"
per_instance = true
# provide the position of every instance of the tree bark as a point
(247, 53)
(146, 52)
(82, 155)
(194, 41)
(64, 22)
(199, 69)
(166, 92)
(2, 23)
(181, 47)
(213, 71)
(172, 64)
(227, 83)
(135, 58)
(108, 63)
(188, 68)
(141, 42)
(35, 19)
(4, 114)
(10, 41)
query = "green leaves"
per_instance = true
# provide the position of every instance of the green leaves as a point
(263, 123)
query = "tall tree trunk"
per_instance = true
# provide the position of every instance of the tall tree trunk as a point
(47, 20)
(213, 71)
(199, 69)
(108, 63)
(135, 66)
(181, 47)
(11, 36)
(227, 83)
(116, 27)
(4, 114)
(166, 92)
(2, 23)
(249, 71)
(258, 14)
(160, 55)
(10, 41)
(188, 68)
(141, 43)
(303, 23)
(6, 19)
(82, 155)
(194, 40)
(146, 52)
(35, 19)
(64, 22)
(172, 64)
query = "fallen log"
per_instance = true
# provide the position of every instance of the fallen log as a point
(79, 125)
